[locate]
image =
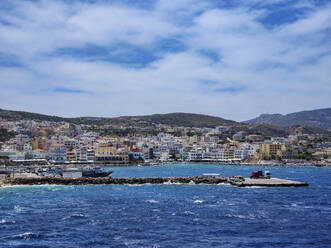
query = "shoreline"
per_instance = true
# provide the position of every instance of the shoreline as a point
(167, 163)
(215, 163)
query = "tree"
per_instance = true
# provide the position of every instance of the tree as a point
(306, 156)
(266, 158)
(5, 135)
(190, 134)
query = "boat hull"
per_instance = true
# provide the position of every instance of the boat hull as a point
(96, 173)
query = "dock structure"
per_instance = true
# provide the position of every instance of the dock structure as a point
(272, 182)
(268, 182)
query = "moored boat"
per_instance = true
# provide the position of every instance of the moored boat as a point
(95, 172)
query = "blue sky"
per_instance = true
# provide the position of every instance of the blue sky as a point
(234, 59)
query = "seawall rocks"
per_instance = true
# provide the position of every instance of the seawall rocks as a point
(129, 180)
(273, 182)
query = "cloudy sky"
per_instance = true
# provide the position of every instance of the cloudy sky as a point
(234, 59)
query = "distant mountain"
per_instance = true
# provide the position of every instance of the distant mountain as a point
(315, 118)
(279, 131)
(172, 119)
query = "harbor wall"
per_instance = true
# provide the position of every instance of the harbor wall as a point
(129, 180)
(273, 182)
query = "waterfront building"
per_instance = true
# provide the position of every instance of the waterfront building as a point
(164, 156)
(274, 149)
(36, 155)
(16, 156)
(59, 154)
(136, 155)
(90, 154)
(71, 155)
(108, 154)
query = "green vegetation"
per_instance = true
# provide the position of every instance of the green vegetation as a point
(222, 142)
(123, 132)
(190, 134)
(173, 119)
(307, 156)
(133, 160)
(18, 115)
(176, 133)
(184, 119)
(5, 135)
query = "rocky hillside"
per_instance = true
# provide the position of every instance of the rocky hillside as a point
(315, 118)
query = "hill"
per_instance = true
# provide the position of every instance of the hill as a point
(278, 131)
(173, 119)
(320, 118)
(183, 119)
(21, 115)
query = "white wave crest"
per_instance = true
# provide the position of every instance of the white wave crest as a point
(171, 183)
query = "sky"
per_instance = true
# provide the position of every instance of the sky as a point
(234, 59)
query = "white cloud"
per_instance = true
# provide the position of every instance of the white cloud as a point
(279, 69)
(38, 28)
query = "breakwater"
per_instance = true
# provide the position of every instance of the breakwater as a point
(273, 182)
(114, 180)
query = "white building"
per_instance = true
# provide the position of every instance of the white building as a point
(59, 154)
(244, 152)
(281, 140)
(221, 129)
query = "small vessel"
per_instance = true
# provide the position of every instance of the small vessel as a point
(95, 172)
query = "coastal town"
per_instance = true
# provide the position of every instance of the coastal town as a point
(48, 143)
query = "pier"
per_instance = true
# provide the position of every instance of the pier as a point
(272, 182)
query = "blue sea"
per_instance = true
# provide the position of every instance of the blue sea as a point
(171, 215)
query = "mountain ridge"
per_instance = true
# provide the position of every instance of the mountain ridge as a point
(176, 118)
(172, 119)
(320, 118)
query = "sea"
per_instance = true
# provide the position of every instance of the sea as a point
(171, 215)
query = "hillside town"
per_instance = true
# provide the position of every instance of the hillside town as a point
(32, 142)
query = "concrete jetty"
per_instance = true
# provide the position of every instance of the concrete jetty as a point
(268, 182)
(273, 182)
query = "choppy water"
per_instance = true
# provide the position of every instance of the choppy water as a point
(171, 215)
